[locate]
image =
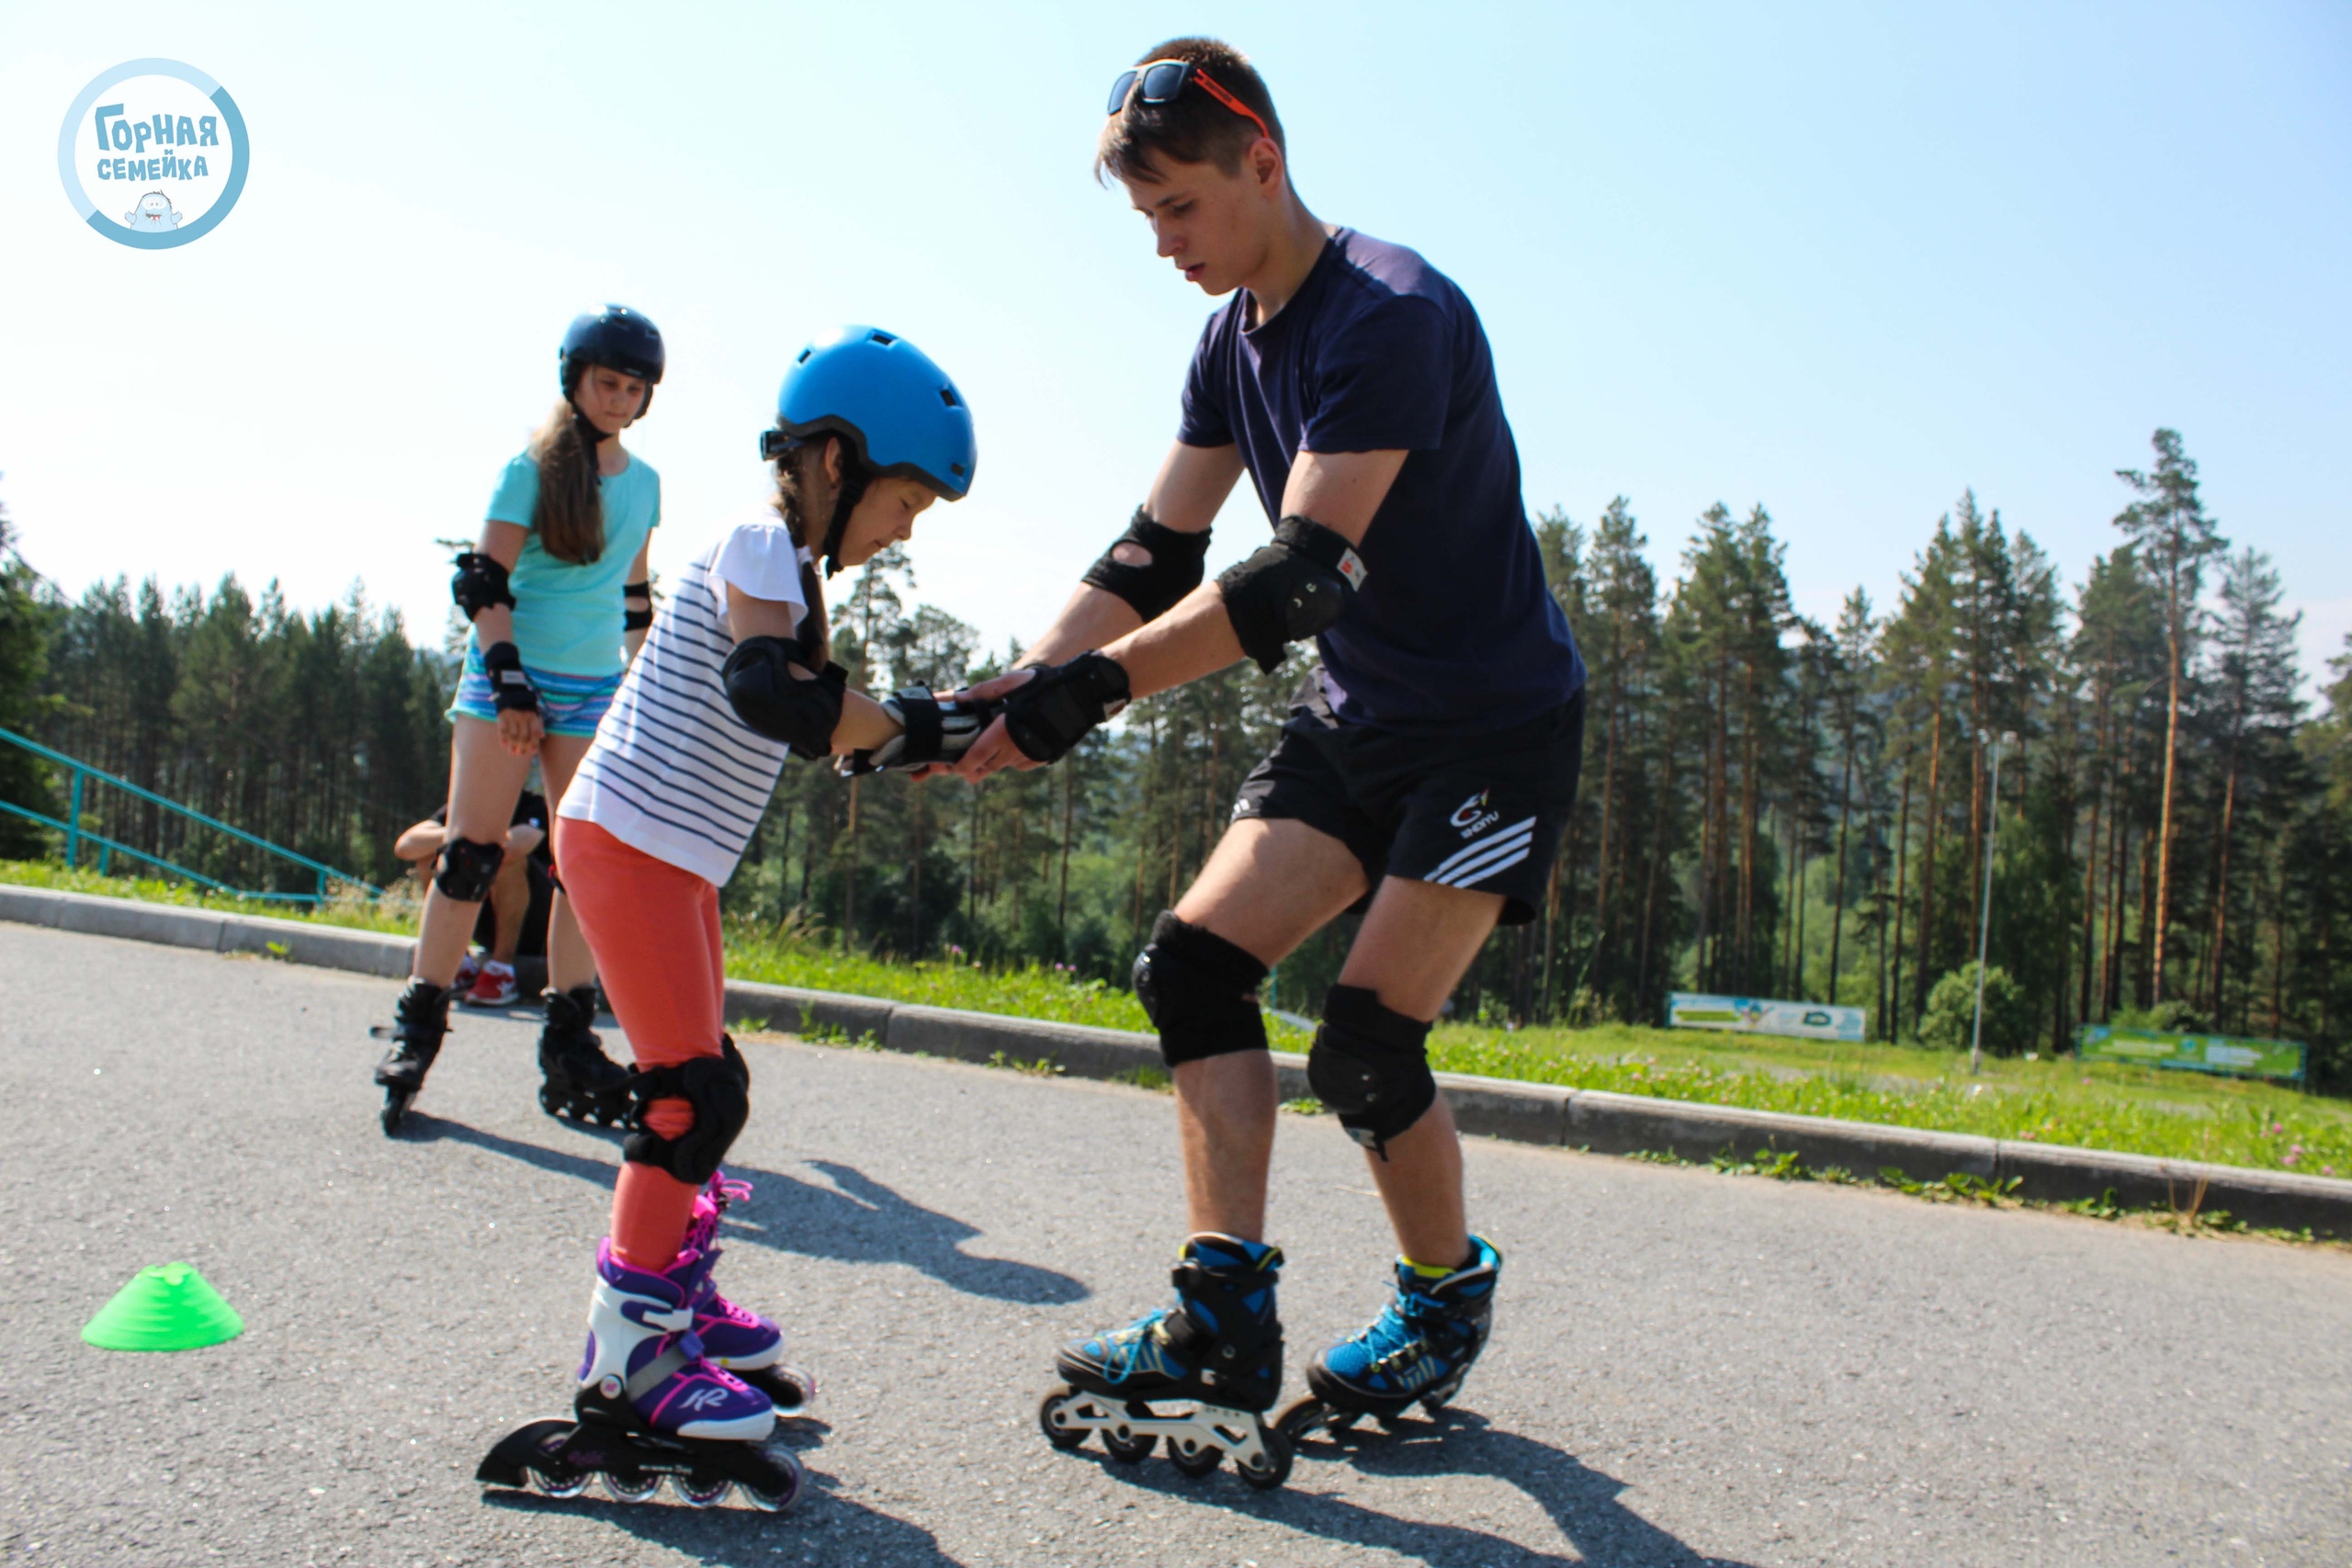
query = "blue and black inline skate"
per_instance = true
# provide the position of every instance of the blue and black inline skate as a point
(1218, 1349)
(1416, 1351)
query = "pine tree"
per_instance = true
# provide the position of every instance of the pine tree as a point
(2174, 538)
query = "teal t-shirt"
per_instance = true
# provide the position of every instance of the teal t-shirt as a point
(568, 617)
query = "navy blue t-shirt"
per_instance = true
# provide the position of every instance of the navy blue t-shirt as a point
(1454, 631)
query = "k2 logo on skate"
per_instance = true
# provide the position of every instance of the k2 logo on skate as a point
(702, 1398)
(153, 154)
(1472, 816)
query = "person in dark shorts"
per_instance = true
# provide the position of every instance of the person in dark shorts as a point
(514, 918)
(1425, 774)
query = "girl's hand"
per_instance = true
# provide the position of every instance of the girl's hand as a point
(520, 730)
(995, 749)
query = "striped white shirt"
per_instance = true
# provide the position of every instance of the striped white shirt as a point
(672, 771)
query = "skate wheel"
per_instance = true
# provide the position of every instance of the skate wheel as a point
(557, 1481)
(1129, 1448)
(788, 1490)
(1273, 1469)
(1053, 1421)
(631, 1485)
(1194, 1456)
(1307, 1416)
(789, 1389)
(547, 1102)
(703, 1491)
(395, 1107)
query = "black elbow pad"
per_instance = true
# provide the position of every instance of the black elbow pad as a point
(772, 701)
(633, 618)
(1295, 588)
(479, 585)
(1171, 569)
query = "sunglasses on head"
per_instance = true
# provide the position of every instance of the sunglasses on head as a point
(1161, 80)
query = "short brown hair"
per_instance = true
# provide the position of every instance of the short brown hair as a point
(1192, 129)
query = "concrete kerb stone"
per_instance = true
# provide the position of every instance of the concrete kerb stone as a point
(2264, 1198)
(162, 923)
(791, 1010)
(29, 906)
(1629, 1124)
(1523, 1112)
(325, 947)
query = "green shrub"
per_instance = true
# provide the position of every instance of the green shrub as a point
(2010, 1021)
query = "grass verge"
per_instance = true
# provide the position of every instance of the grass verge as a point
(2106, 1106)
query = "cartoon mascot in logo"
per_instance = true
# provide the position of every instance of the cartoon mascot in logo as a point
(152, 214)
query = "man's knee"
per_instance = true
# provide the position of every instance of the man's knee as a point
(1370, 1066)
(1201, 992)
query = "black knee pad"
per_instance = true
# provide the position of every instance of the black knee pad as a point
(1201, 992)
(1370, 1066)
(719, 1090)
(467, 869)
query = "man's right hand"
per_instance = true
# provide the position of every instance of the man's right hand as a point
(995, 749)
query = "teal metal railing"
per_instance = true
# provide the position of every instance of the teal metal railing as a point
(76, 833)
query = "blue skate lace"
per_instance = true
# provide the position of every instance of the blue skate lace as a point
(1123, 1352)
(1407, 1346)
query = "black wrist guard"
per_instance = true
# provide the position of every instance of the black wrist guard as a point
(510, 688)
(1171, 566)
(932, 729)
(1052, 711)
(1295, 588)
(633, 618)
(479, 585)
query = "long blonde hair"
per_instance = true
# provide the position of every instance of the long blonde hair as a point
(568, 516)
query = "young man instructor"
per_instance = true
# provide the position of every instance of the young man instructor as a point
(1425, 774)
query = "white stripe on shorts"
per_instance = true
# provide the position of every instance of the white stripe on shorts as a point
(1478, 846)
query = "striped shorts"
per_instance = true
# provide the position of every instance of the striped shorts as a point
(569, 704)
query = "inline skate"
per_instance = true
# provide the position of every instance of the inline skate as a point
(1419, 1349)
(1217, 1348)
(650, 1406)
(578, 1079)
(420, 1022)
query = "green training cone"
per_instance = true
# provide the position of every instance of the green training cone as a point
(165, 1308)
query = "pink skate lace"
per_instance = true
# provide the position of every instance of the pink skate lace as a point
(702, 1233)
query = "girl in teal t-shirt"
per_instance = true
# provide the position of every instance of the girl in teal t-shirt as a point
(558, 592)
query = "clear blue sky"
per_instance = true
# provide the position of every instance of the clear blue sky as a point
(1842, 259)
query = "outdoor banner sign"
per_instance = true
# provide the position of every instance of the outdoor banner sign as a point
(2192, 1053)
(1753, 1015)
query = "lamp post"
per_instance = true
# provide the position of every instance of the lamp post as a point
(1985, 906)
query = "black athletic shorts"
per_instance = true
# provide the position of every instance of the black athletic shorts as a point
(1478, 811)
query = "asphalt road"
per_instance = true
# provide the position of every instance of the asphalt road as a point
(1688, 1369)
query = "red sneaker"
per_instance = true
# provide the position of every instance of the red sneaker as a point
(493, 987)
(468, 967)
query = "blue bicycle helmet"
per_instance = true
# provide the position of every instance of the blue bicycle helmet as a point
(898, 412)
(617, 338)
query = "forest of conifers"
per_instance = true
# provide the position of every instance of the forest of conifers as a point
(1769, 806)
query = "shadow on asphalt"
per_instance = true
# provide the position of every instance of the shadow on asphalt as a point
(824, 1523)
(855, 1219)
(1582, 1502)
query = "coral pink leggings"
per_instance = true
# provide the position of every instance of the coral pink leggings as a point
(654, 930)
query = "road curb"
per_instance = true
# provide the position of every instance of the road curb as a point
(1546, 1114)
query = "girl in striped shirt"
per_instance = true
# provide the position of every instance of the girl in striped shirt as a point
(733, 677)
